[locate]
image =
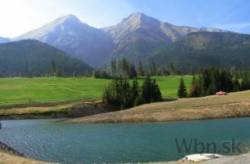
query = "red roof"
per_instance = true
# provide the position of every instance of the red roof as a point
(221, 93)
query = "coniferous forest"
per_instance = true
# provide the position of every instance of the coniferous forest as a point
(125, 95)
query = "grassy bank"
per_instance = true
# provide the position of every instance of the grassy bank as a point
(211, 107)
(69, 110)
(30, 91)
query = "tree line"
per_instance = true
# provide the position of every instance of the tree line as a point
(210, 81)
(125, 69)
(54, 69)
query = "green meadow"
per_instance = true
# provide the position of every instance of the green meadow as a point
(55, 89)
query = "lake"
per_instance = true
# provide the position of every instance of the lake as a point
(55, 141)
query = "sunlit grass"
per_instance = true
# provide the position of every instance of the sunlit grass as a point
(54, 89)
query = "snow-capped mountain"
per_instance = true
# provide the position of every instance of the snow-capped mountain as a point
(76, 38)
(136, 37)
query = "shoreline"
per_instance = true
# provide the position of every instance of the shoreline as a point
(58, 110)
(8, 155)
(4, 147)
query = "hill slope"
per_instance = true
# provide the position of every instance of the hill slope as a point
(75, 38)
(30, 57)
(207, 49)
(211, 107)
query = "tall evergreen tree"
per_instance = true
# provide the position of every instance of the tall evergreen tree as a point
(150, 90)
(125, 67)
(113, 68)
(141, 71)
(236, 84)
(132, 73)
(156, 92)
(146, 89)
(135, 92)
(194, 90)
(173, 70)
(245, 84)
(153, 69)
(182, 92)
(53, 68)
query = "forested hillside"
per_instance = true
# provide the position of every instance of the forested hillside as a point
(206, 49)
(33, 58)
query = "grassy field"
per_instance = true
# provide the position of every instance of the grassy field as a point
(233, 105)
(53, 89)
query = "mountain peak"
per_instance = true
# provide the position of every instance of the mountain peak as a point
(137, 14)
(59, 24)
(68, 18)
(138, 19)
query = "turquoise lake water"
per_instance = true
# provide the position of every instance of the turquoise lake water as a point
(115, 143)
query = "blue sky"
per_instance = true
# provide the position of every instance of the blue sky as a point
(19, 16)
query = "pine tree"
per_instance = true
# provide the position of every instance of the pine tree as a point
(53, 68)
(245, 84)
(132, 73)
(182, 92)
(150, 90)
(141, 71)
(135, 93)
(236, 84)
(153, 69)
(146, 89)
(156, 92)
(125, 66)
(113, 68)
(212, 88)
(173, 70)
(194, 90)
